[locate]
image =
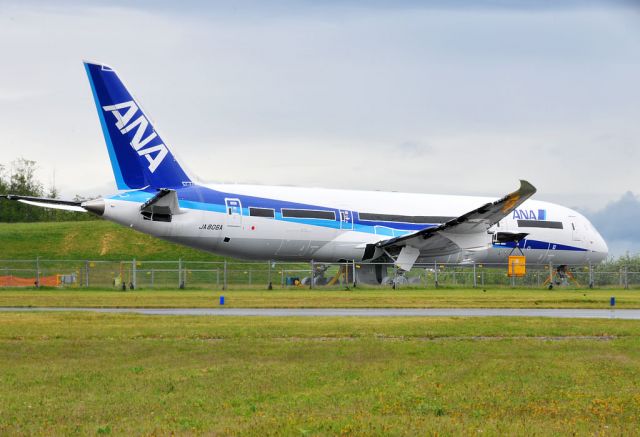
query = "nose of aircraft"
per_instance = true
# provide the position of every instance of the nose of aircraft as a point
(598, 245)
(601, 245)
(597, 249)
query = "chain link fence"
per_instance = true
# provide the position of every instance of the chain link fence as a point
(179, 274)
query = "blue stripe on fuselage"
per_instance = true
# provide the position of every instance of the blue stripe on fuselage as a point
(196, 197)
(540, 245)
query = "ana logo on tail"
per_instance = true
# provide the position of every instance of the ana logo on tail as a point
(125, 124)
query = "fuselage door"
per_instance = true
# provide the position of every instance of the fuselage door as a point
(576, 231)
(346, 219)
(234, 212)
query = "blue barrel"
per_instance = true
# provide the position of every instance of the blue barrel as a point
(221, 300)
(612, 301)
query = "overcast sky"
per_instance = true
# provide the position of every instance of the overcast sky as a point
(461, 97)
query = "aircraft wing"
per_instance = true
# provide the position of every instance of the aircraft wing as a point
(45, 202)
(467, 232)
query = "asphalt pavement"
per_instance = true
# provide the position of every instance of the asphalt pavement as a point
(630, 314)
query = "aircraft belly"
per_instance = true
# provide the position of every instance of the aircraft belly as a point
(499, 255)
(265, 238)
(301, 241)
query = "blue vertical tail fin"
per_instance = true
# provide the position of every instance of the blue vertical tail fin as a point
(139, 157)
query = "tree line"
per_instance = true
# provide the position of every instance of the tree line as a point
(19, 177)
(630, 262)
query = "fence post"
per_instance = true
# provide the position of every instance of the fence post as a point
(550, 274)
(355, 282)
(435, 265)
(180, 273)
(224, 276)
(620, 281)
(86, 273)
(395, 276)
(133, 275)
(184, 276)
(345, 267)
(37, 272)
(313, 273)
(475, 278)
(591, 281)
(152, 277)
(626, 277)
(269, 285)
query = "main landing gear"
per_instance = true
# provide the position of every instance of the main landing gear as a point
(560, 276)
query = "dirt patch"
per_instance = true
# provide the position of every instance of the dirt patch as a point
(322, 339)
(105, 245)
(68, 242)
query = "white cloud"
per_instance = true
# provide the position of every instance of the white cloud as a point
(617, 224)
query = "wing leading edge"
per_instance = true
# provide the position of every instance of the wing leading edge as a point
(467, 232)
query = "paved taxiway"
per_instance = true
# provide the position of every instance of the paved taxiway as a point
(357, 312)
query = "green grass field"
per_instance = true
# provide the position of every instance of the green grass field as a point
(97, 374)
(121, 374)
(97, 239)
(305, 298)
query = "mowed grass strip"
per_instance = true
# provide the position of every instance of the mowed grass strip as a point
(126, 374)
(95, 240)
(305, 298)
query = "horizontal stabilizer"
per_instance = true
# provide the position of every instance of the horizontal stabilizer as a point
(60, 206)
(44, 202)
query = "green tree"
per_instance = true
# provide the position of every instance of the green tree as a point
(21, 180)
(4, 185)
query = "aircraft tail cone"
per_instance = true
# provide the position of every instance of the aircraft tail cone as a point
(95, 206)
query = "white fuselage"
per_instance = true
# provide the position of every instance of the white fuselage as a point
(222, 219)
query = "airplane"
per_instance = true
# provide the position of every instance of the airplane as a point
(158, 197)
